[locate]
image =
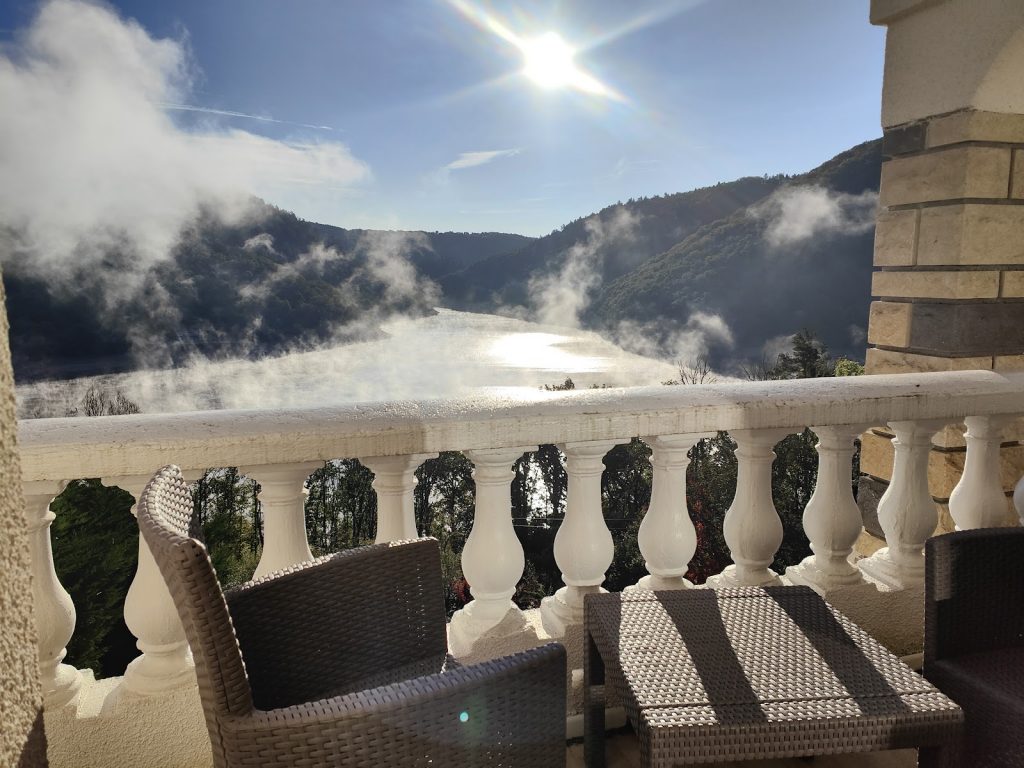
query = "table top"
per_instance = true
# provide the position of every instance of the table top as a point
(751, 655)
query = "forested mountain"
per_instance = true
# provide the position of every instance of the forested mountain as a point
(763, 288)
(654, 224)
(271, 283)
(766, 256)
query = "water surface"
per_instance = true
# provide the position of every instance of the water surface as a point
(449, 354)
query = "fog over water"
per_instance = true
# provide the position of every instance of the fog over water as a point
(449, 354)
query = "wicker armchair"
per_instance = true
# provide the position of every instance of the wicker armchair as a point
(343, 661)
(974, 637)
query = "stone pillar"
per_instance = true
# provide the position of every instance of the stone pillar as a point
(949, 243)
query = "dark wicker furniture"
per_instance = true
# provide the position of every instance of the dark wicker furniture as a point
(342, 661)
(736, 674)
(974, 637)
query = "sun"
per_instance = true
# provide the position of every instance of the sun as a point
(549, 62)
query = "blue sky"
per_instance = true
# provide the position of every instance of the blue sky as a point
(709, 91)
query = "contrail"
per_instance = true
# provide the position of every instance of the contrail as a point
(230, 113)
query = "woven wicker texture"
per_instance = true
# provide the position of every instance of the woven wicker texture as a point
(974, 637)
(346, 660)
(755, 673)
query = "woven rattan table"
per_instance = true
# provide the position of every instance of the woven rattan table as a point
(735, 674)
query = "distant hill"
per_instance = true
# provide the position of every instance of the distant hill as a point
(729, 267)
(726, 250)
(661, 222)
(272, 283)
(440, 253)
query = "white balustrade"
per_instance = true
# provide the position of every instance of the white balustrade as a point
(978, 500)
(906, 511)
(54, 610)
(280, 449)
(282, 502)
(583, 545)
(492, 559)
(394, 480)
(832, 520)
(149, 612)
(667, 537)
(752, 528)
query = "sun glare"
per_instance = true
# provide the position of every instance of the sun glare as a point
(548, 62)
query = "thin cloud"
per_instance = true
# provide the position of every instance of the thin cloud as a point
(473, 159)
(244, 115)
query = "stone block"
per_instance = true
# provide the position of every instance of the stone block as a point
(867, 544)
(971, 234)
(876, 455)
(946, 523)
(869, 491)
(1018, 175)
(904, 139)
(1009, 363)
(975, 125)
(1013, 284)
(965, 329)
(895, 238)
(889, 323)
(947, 174)
(891, 361)
(888, 11)
(937, 285)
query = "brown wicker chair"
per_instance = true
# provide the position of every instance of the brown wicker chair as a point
(343, 661)
(974, 637)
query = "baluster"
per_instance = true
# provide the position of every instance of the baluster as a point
(978, 501)
(583, 545)
(492, 559)
(753, 530)
(906, 511)
(832, 519)
(667, 537)
(149, 612)
(394, 480)
(54, 610)
(282, 501)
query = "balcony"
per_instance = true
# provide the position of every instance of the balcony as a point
(151, 715)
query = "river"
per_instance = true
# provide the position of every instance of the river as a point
(449, 354)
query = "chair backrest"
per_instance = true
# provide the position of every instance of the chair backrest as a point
(974, 592)
(164, 513)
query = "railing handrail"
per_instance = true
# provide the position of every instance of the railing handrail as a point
(69, 448)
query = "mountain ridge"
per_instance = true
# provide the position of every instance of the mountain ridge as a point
(274, 282)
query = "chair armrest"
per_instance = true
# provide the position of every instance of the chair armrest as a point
(508, 712)
(974, 592)
(327, 627)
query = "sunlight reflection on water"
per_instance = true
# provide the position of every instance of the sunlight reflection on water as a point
(543, 351)
(450, 354)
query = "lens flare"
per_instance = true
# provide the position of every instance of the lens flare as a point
(548, 60)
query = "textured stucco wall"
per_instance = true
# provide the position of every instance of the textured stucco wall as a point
(22, 741)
